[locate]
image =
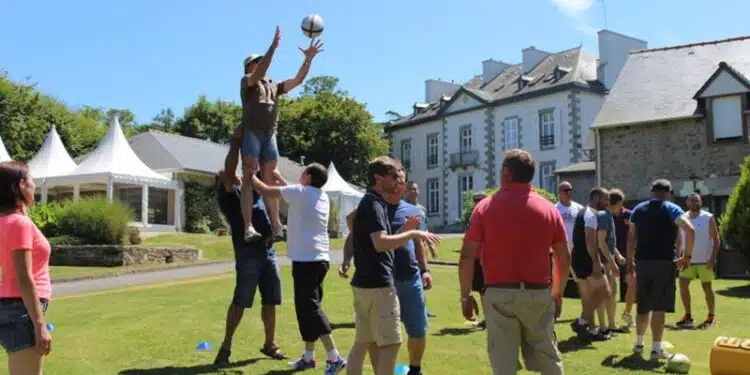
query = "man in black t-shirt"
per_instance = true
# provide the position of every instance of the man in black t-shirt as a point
(376, 305)
(255, 266)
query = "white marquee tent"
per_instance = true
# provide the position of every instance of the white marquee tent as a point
(4, 156)
(344, 194)
(114, 162)
(52, 159)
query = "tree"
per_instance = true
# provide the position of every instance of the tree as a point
(468, 201)
(324, 124)
(735, 221)
(214, 121)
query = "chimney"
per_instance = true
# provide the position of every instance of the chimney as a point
(532, 57)
(491, 69)
(614, 50)
(435, 88)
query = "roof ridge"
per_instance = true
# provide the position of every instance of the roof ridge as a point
(188, 138)
(697, 44)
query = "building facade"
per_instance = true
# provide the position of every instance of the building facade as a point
(455, 141)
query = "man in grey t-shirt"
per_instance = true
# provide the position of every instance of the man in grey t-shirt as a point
(607, 241)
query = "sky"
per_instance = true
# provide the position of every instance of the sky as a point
(146, 55)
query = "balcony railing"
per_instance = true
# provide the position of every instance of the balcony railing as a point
(464, 159)
(546, 141)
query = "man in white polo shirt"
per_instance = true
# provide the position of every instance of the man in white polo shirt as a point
(308, 248)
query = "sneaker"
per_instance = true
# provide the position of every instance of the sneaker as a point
(710, 320)
(659, 354)
(685, 322)
(251, 235)
(638, 349)
(601, 336)
(333, 368)
(279, 234)
(222, 358)
(430, 315)
(582, 331)
(629, 322)
(482, 324)
(303, 364)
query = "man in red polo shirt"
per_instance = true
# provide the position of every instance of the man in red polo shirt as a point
(516, 229)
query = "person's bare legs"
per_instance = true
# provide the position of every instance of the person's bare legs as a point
(249, 168)
(268, 315)
(372, 350)
(657, 325)
(356, 359)
(272, 204)
(600, 315)
(387, 359)
(611, 303)
(234, 316)
(416, 348)
(25, 362)
(710, 298)
(630, 294)
(685, 295)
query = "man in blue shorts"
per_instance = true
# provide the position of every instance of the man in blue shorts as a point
(256, 268)
(411, 276)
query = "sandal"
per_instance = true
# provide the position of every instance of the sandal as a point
(273, 352)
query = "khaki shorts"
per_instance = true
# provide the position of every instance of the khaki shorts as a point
(377, 316)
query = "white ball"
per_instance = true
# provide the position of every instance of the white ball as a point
(678, 363)
(312, 25)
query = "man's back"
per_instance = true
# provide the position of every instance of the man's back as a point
(229, 203)
(656, 231)
(308, 220)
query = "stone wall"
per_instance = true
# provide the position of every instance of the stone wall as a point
(582, 183)
(633, 156)
(113, 255)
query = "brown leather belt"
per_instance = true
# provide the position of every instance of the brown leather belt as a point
(519, 285)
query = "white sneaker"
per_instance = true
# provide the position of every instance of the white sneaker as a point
(660, 354)
(638, 349)
(628, 320)
(251, 234)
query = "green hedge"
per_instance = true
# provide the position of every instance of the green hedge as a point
(735, 222)
(468, 201)
(95, 221)
(202, 212)
(46, 216)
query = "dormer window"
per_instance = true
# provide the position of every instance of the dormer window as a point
(524, 80)
(561, 71)
(726, 117)
(724, 98)
(420, 107)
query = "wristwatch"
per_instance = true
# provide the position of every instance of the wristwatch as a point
(424, 271)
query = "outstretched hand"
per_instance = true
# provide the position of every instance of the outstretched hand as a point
(276, 36)
(315, 47)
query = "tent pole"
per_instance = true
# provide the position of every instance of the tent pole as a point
(110, 189)
(76, 192)
(45, 192)
(144, 205)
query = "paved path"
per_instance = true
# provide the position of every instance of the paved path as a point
(153, 277)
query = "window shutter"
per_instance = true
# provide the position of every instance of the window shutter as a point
(558, 127)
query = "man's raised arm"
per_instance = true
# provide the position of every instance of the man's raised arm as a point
(314, 48)
(265, 61)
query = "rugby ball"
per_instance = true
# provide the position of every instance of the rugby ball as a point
(312, 25)
(678, 363)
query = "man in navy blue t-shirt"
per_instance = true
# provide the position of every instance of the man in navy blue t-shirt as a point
(255, 266)
(651, 256)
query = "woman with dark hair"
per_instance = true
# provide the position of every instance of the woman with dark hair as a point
(25, 285)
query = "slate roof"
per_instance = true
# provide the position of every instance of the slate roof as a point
(581, 72)
(659, 84)
(585, 166)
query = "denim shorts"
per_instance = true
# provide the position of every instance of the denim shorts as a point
(413, 309)
(260, 145)
(16, 327)
(260, 273)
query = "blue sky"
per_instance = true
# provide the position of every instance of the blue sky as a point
(146, 55)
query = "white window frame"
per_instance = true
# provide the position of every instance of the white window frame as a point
(547, 176)
(432, 150)
(465, 140)
(726, 116)
(406, 153)
(433, 196)
(510, 133)
(546, 128)
(465, 183)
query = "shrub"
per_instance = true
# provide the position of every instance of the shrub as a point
(95, 220)
(735, 221)
(46, 216)
(333, 218)
(67, 240)
(202, 212)
(468, 201)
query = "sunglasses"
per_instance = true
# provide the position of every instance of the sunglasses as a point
(566, 190)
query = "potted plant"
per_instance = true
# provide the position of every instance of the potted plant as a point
(135, 236)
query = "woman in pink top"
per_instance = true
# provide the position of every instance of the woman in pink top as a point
(25, 287)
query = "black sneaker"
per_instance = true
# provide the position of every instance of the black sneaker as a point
(222, 358)
(685, 322)
(581, 331)
(600, 336)
(482, 324)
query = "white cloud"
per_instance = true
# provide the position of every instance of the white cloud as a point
(577, 11)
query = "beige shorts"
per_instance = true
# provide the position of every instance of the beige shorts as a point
(377, 316)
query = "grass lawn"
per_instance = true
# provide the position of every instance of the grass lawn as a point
(449, 249)
(215, 248)
(154, 330)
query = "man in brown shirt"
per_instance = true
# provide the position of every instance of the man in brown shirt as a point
(256, 136)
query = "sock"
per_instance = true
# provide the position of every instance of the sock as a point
(309, 355)
(415, 370)
(333, 355)
(656, 346)
(639, 340)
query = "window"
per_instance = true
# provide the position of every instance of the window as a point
(465, 183)
(433, 196)
(158, 206)
(547, 176)
(131, 197)
(465, 145)
(546, 130)
(510, 133)
(432, 150)
(726, 116)
(406, 153)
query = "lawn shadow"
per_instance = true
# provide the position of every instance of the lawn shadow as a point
(281, 372)
(572, 344)
(633, 362)
(456, 331)
(192, 370)
(740, 291)
(565, 321)
(349, 325)
(673, 327)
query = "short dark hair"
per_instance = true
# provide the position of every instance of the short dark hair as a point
(597, 192)
(661, 185)
(411, 182)
(11, 175)
(521, 165)
(616, 196)
(381, 166)
(318, 174)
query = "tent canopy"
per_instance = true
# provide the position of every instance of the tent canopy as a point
(112, 159)
(337, 184)
(52, 159)
(4, 156)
